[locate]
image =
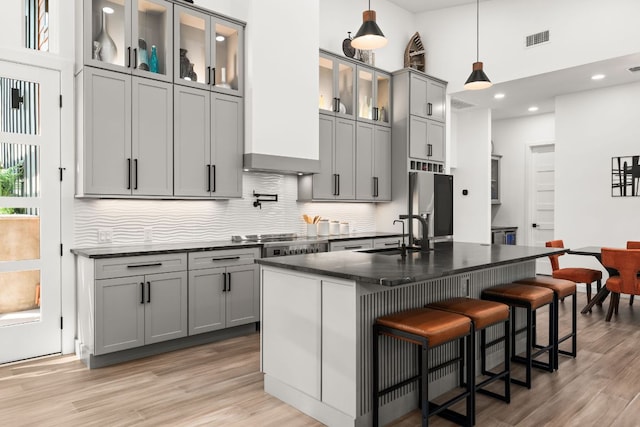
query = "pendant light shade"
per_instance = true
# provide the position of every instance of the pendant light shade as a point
(478, 79)
(369, 36)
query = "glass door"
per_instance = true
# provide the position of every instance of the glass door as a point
(366, 105)
(107, 34)
(326, 99)
(383, 98)
(152, 40)
(227, 54)
(29, 212)
(192, 31)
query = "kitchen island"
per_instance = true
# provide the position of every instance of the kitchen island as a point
(318, 309)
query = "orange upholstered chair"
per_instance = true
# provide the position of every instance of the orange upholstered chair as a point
(627, 262)
(632, 245)
(578, 275)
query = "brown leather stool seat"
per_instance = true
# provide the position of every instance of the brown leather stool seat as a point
(530, 298)
(484, 314)
(561, 289)
(426, 328)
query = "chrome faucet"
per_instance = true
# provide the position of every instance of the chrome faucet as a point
(424, 221)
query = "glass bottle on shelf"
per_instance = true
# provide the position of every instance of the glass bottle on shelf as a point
(153, 61)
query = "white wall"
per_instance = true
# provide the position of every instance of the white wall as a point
(581, 31)
(471, 219)
(591, 128)
(510, 138)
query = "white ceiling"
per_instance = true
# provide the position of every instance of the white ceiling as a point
(539, 90)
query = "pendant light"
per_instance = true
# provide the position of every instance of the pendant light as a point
(478, 79)
(369, 36)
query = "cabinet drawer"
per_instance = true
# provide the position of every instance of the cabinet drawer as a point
(139, 265)
(351, 245)
(387, 242)
(223, 257)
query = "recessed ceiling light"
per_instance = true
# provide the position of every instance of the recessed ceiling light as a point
(597, 77)
(219, 38)
(533, 109)
(108, 10)
(498, 95)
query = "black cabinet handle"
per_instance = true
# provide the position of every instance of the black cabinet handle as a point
(534, 225)
(429, 150)
(429, 109)
(392, 243)
(213, 76)
(208, 178)
(338, 185)
(129, 57)
(213, 189)
(230, 258)
(376, 116)
(208, 75)
(224, 282)
(335, 184)
(353, 247)
(336, 104)
(148, 291)
(375, 186)
(155, 264)
(135, 57)
(229, 282)
(128, 174)
(135, 162)
(141, 293)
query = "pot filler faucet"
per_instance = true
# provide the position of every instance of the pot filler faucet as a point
(424, 223)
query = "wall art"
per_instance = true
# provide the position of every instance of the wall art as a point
(625, 176)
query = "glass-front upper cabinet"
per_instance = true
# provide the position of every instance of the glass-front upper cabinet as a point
(374, 92)
(337, 87)
(131, 36)
(209, 52)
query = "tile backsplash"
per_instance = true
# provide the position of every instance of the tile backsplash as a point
(200, 220)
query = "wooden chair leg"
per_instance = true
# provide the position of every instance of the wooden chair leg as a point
(598, 287)
(588, 285)
(615, 310)
(612, 305)
(631, 300)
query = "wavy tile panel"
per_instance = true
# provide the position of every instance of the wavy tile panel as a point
(195, 220)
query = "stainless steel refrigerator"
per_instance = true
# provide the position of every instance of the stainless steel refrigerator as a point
(430, 202)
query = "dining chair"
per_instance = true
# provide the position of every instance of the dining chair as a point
(631, 244)
(627, 262)
(577, 275)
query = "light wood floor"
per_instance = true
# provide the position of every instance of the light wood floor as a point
(219, 385)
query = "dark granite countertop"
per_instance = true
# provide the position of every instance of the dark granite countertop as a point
(391, 270)
(109, 251)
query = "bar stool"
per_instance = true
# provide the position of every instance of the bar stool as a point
(427, 328)
(484, 314)
(561, 289)
(530, 298)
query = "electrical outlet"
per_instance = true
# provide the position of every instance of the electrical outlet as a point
(105, 235)
(148, 234)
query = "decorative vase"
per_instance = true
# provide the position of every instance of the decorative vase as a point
(191, 75)
(184, 64)
(153, 61)
(223, 78)
(143, 58)
(108, 49)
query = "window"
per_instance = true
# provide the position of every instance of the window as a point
(37, 24)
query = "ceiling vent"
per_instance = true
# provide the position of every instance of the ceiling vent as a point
(536, 39)
(635, 69)
(456, 104)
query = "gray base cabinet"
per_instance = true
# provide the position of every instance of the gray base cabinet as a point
(224, 289)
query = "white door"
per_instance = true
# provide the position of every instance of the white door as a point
(29, 212)
(540, 197)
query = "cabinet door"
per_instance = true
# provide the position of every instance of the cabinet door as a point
(383, 99)
(436, 140)
(226, 145)
(107, 132)
(119, 314)
(152, 145)
(350, 245)
(436, 97)
(365, 182)
(227, 57)
(326, 103)
(107, 34)
(418, 148)
(418, 96)
(192, 48)
(366, 101)
(243, 295)
(345, 84)
(382, 163)
(324, 182)
(207, 308)
(152, 29)
(344, 159)
(192, 142)
(165, 314)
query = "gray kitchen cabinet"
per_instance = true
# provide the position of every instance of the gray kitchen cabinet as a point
(373, 162)
(119, 35)
(209, 51)
(374, 96)
(336, 180)
(127, 147)
(426, 139)
(428, 97)
(337, 86)
(387, 242)
(224, 289)
(208, 143)
(132, 310)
